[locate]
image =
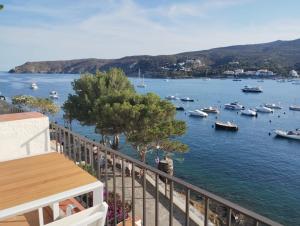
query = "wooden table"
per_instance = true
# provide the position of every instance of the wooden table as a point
(34, 182)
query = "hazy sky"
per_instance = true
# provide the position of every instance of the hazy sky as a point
(32, 30)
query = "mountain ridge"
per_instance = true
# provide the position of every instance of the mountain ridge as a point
(278, 56)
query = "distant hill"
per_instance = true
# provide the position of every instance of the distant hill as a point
(278, 56)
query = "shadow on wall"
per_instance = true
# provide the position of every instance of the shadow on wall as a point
(46, 142)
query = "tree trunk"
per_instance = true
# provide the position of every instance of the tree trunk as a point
(116, 142)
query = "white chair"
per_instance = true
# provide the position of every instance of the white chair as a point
(94, 216)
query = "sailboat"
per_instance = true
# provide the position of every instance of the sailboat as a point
(142, 84)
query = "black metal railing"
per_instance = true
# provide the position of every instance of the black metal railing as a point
(186, 204)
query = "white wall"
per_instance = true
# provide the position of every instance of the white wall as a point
(25, 137)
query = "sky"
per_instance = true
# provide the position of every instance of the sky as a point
(37, 30)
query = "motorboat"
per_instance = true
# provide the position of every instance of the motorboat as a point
(295, 107)
(272, 106)
(288, 134)
(211, 110)
(187, 99)
(179, 108)
(248, 89)
(249, 112)
(234, 106)
(264, 109)
(236, 80)
(53, 95)
(34, 86)
(171, 97)
(198, 113)
(226, 126)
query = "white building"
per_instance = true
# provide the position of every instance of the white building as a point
(264, 72)
(239, 71)
(294, 73)
(228, 72)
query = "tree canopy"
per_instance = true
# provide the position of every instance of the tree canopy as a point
(43, 105)
(108, 101)
(1, 6)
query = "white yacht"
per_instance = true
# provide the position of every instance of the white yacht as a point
(234, 106)
(211, 110)
(142, 82)
(248, 89)
(288, 134)
(249, 112)
(187, 99)
(272, 106)
(34, 86)
(198, 113)
(264, 109)
(171, 97)
(295, 107)
(53, 95)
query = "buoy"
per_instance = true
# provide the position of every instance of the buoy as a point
(278, 116)
(284, 113)
(269, 134)
(270, 121)
(212, 126)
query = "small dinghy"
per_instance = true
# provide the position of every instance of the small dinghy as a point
(249, 112)
(226, 126)
(34, 86)
(295, 107)
(288, 134)
(263, 109)
(272, 106)
(211, 110)
(187, 99)
(198, 113)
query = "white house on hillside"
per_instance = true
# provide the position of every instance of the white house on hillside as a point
(294, 73)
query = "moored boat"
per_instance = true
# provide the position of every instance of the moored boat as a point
(179, 108)
(187, 99)
(249, 112)
(295, 107)
(272, 106)
(198, 113)
(263, 109)
(226, 126)
(171, 97)
(234, 106)
(53, 95)
(34, 86)
(248, 89)
(211, 110)
(288, 134)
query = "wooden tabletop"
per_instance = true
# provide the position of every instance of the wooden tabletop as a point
(32, 178)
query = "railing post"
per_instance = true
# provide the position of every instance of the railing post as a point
(156, 200)
(144, 197)
(133, 194)
(206, 211)
(187, 207)
(123, 191)
(229, 216)
(171, 203)
(114, 189)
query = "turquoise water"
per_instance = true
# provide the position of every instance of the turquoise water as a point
(251, 168)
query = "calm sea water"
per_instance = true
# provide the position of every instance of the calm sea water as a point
(250, 167)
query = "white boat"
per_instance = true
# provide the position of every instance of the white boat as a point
(187, 99)
(264, 109)
(210, 110)
(248, 89)
(295, 107)
(53, 95)
(226, 126)
(34, 86)
(142, 82)
(171, 97)
(198, 113)
(249, 112)
(272, 106)
(234, 106)
(288, 134)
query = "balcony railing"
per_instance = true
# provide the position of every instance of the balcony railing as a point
(186, 204)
